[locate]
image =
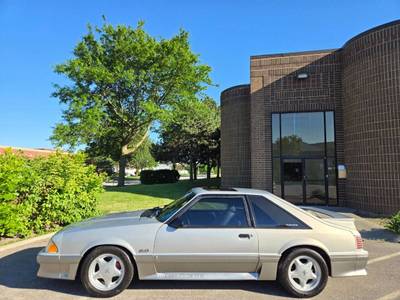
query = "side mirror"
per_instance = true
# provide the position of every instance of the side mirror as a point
(176, 223)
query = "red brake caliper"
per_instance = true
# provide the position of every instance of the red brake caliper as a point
(118, 265)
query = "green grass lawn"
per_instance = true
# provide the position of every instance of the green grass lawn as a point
(142, 196)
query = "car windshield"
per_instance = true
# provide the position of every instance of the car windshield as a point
(168, 210)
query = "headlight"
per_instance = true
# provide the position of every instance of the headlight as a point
(51, 247)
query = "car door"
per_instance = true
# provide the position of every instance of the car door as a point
(213, 234)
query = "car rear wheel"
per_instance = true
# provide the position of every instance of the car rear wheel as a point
(303, 273)
(106, 271)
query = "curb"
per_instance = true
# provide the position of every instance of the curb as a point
(26, 242)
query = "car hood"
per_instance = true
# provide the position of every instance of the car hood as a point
(112, 220)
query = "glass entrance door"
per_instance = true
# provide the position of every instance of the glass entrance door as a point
(293, 180)
(315, 189)
(303, 157)
(304, 180)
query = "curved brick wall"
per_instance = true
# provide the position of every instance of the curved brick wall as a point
(235, 136)
(360, 82)
(371, 106)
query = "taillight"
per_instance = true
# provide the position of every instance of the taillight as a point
(359, 242)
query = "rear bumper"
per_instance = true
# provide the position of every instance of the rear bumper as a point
(57, 266)
(349, 264)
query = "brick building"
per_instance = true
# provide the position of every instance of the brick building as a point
(28, 152)
(319, 127)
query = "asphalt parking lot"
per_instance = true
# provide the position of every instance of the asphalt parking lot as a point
(18, 278)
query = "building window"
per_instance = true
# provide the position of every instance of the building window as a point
(330, 133)
(276, 134)
(303, 157)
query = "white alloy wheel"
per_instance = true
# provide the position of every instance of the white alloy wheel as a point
(106, 272)
(304, 273)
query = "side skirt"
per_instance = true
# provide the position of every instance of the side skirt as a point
(202, 276)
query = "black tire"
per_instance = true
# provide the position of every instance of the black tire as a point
(283, 272)
(126, 280)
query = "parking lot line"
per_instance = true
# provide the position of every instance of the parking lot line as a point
(392, 296)
(378, 259)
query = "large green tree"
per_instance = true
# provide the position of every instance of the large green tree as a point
(121, 79)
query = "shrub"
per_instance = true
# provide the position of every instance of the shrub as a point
(16, 179)
(159, 176)
(43, 193)
(394, 223)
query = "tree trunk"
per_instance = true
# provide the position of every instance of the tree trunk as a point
(121, 171)
(208, 170)
(173, 165)
(194, 171)
(218, 168)
(191, 171)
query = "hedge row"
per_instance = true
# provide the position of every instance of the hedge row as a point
(39, 194)
(159, 176)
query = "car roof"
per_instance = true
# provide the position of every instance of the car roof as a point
(246, 191)
(297, 211)
(233, 191)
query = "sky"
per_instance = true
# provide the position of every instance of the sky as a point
(37, 35)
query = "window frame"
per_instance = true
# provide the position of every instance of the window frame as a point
(205, 196)
(281, 157)
(177, 211)
(253, 219)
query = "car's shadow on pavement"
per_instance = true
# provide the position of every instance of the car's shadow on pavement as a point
(380, 234)
(18, 271)
(270, 288)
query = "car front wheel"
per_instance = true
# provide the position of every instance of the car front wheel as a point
(106, 271)
(303, 273)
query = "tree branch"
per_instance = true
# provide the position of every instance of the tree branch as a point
(111, 105)
(128, 151)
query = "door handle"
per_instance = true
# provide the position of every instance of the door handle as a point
(244, 236)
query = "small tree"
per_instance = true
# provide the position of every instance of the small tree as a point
(122, 80)
(210, 152)
(165, 151)
(143, 157)
(189, 135)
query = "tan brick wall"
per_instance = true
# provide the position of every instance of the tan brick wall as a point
(260, 140)
(359, 82)
(371, 88)
(235, 136)
(276, 88)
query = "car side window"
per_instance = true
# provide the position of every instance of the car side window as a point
(215, 212)
(268, 215)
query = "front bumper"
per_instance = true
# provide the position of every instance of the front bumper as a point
(349, 264)
(57, 266)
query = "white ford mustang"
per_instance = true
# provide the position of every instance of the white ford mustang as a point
(232, 234)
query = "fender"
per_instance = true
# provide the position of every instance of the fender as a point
(144, 262)
(269, 268)
(109, 241)
(303, 242)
